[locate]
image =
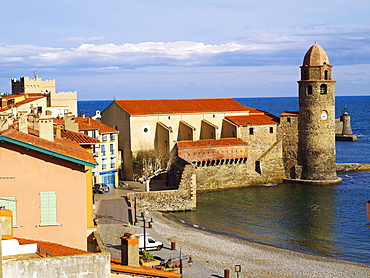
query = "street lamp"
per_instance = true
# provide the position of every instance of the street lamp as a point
(190, 261)
(142, 215)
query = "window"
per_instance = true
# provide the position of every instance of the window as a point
(309, 90)
(111, 135)
(271, 129)
(48, 208)
(10, 203)
(112, 162)
(305, 75)
(288, 119)
(94, 134)
(326, 76)
(111, 147)
(251, 131)
(103, 164)
(323, 89)
(103, 137)
(102, 150)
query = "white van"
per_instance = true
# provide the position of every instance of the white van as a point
(151, 243)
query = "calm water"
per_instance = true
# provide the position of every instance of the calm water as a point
(322, 220)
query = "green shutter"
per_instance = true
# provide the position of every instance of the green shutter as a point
(48, 207)
(12, 205)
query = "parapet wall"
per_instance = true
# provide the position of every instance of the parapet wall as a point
(35, 85)
(94, 265)
(184, 198)
(270, 170)
(65, 99)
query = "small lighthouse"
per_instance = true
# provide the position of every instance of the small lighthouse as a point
(343, 130)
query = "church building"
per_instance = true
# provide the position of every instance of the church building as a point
(232, 145)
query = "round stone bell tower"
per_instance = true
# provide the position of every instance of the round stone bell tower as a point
(316, 126)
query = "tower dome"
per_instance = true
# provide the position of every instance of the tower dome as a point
(315, 56)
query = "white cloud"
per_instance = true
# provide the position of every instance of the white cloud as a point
(260, 48)
(84, 39)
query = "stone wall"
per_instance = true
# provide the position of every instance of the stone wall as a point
(352, 167)
(221, 177)
(288, 132)
(95, 265)
(184, 198)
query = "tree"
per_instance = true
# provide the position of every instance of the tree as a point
(149, 164)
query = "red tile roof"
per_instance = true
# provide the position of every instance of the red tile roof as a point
(290, 113)
(22, 102)
(62, 146)
(246, 120)
(175, 106)
(211, 143)
(213, 150)
(88, 124)
(79, 137)
(53, 249)
(58, 121)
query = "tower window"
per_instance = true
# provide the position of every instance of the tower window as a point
(305, 75)
(323, 89)
(251, 131)
(309, 90)
(326, 75)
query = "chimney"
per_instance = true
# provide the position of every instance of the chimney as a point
(58, 132)
(130, 250)
(4, 125)
(46, 129)
(23, 122)
(69, 123)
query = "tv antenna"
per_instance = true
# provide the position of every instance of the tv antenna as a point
(34, 73)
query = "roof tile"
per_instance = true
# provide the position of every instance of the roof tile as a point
(245, 120)
(62, 146)
(211, 143)
(175, 106)
(53, 249)
(87, 123)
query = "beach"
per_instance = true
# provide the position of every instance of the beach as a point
(219, 252)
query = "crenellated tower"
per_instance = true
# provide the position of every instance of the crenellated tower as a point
(316, 126)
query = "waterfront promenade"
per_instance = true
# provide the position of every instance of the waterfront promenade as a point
(114, 214)
(212, 253)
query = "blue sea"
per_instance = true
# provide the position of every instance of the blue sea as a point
(327, 220)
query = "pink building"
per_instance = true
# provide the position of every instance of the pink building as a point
(46, 183)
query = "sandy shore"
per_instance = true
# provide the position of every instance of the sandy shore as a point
(220, 252)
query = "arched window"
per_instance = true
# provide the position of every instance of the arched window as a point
(309, 90)
(323, 89)
(326, 75)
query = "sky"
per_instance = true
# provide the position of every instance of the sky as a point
(146, 49)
